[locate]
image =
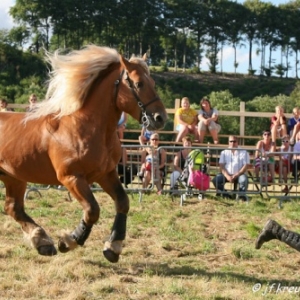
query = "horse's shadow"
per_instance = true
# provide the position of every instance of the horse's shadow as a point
(188, 271)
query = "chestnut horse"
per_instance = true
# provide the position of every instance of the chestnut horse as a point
(70, 139)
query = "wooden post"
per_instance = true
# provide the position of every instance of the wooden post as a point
(242, 121)
(177, 105)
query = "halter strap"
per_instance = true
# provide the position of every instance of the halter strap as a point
(143, 117)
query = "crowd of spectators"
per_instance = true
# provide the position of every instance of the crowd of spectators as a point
(192, 126)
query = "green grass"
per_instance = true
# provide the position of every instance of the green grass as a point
(202, 250)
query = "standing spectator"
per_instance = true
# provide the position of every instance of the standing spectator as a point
(278, 124)
(233, 165)
(155, 160)
(32, 102)
(126, 171)
(262, 157)
(145, 136)
(179, 160)
(3, 105)
(122, 125)
(186, 120)
(208, 118)
(296, 158)
(285, 160)
(294, 125)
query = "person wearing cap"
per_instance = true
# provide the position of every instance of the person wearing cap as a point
(153, 159)
(263, 159)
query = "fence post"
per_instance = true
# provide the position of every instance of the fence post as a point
(177, 105)
(242, 118)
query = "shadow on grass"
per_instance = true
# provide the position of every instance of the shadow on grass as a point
(190, 272)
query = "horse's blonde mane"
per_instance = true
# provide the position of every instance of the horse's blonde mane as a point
(71, 78)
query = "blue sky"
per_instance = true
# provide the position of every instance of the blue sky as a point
(228, 54)
(243, 56)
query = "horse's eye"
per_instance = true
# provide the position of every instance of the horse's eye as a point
(139, 85)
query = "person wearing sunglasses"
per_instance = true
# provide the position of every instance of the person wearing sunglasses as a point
(264, 162)
(154, 160)
(208, 121)
(284, 165)
(233, 166)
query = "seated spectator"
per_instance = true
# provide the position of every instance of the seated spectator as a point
(296, 158)
(145, 136)
(122, 125)
(186, 120)
(233, 166)
(179, 160)
(126, 173)
(32, 102)
(263, 161)
(278, 124)
(284, 166)
(294, 125)
(3, 106)
(208, 121)
(151, 159)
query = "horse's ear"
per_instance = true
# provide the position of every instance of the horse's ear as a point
(125, 63)
(145, 57)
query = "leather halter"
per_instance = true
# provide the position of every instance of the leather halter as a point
(144, 119)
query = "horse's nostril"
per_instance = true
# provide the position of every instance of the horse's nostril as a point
(158, 118)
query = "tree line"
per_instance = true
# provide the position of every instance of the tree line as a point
(174, 33)
(178, 33)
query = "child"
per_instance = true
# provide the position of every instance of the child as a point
(145, 136)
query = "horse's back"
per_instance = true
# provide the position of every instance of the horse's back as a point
(24, 149)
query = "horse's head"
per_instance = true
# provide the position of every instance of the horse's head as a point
(138, 97)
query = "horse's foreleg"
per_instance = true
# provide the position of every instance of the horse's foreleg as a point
(80, 189)
(14, 206)
(113, 246)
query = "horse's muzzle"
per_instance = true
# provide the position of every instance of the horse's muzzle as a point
(157, 121)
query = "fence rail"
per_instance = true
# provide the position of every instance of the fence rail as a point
(241, 113)
(256, 188)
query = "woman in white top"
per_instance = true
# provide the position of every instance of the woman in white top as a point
(208, 118)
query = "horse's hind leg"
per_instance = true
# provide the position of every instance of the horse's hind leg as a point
(113, 246)
(14, 206)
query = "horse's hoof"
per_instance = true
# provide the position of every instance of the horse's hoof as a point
(62, 246)
(111, 256)
(48, 250)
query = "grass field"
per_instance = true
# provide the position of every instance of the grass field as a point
(203, 250)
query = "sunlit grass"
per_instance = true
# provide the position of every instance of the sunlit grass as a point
(202, 250)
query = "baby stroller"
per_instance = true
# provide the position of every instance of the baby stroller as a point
(194, 175)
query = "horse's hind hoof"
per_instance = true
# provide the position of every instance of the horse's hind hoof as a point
(48, 250)
(111, 256)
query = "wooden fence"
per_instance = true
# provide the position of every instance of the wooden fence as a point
(241, 113)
